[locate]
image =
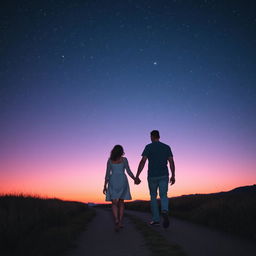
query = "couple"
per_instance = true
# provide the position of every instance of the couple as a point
(116, 185)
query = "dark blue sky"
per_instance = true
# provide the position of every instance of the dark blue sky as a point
(107, 72)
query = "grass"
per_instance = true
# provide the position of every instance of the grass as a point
(157, 243)
(230, 212)
(30, 225)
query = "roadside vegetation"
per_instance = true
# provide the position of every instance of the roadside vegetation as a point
(233, 212)
(30, 225)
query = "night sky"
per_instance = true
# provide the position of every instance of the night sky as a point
(78, 77)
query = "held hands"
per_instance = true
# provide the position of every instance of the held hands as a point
(137, 181)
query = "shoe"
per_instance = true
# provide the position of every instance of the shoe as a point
(166, 221)
(154, 223)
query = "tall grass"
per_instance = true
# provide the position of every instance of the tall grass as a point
(30, 225)
(230, 212)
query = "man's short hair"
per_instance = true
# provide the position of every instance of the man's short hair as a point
(155, 134)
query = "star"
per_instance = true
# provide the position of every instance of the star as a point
(155, 63)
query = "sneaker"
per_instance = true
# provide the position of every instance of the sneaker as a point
(166, 221)
(154, 223)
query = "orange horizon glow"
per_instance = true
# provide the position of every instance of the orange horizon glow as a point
(96, 199)
(71, 182)
(77, 174)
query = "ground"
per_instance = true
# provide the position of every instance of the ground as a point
(101, 239)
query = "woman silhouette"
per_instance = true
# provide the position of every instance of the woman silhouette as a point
(116, 187)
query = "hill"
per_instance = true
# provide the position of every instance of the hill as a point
(245, 189)
(242, 189)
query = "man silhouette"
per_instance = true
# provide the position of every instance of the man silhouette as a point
(157, 154)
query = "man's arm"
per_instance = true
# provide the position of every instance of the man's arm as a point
(172, 167)
(140, 167)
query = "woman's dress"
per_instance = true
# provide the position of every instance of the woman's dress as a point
(118, 186)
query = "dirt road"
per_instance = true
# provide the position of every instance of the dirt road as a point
(101, 239)
(197, 240)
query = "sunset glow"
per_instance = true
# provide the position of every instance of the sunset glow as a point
(76, 177)
(77, 80)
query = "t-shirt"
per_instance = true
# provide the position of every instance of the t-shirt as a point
(157, 154)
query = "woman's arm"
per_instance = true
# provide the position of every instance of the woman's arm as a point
(128, 170)
(107, 175)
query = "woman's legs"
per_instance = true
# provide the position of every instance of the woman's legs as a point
(118, 211)
(121, 211)
(115, 210)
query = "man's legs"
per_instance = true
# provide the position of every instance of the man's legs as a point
(153, 186)
(163, 189)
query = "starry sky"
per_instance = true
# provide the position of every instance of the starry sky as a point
(78, 77)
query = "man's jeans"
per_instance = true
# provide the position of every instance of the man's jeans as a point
(154, 183)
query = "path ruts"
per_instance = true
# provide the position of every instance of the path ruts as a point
(101, 239)
(197, 240)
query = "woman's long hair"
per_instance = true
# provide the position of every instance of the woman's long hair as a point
(116, 152)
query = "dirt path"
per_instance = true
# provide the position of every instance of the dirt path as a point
(196, 240)
(101, 239)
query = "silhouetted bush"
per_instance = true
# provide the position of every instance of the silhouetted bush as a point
(36, 226)
(233, 211)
